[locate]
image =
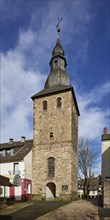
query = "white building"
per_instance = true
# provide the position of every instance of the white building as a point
(106, 168)
(95, 188)
(16, 164)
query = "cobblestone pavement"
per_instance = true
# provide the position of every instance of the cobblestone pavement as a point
(29, 211)
(77, 210)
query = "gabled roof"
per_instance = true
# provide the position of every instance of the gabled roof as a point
(21, 149)
(93, 184)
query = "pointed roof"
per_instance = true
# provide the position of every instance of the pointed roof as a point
(58, 75)
(58, 80)
(58, 49)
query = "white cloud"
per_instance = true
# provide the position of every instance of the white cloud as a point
(18, 85)
(75, 23)
(93, 118)
(26, 39)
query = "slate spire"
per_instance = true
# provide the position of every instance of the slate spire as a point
(58, 75)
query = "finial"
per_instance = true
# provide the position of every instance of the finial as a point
(57, 27)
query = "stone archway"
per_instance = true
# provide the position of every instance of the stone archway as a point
(50, 191)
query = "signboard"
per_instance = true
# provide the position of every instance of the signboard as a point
(17, 180)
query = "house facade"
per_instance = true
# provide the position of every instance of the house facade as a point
(106, 168)
(16, 165)
(95, 187)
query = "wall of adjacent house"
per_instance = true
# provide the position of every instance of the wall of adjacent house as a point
(80, 193)
(5, 191)
(106, 200)
(93, 193)
(28, 165)
(24, 170)
(8, 169)
(105, 158)
(106, 168)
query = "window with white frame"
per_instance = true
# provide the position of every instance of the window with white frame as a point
(28, 188)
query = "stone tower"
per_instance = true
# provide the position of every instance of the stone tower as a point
(54, 155)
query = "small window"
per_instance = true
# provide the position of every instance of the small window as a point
(1, 153)
(56, 63)
(59, 102)
(51, 167)
(8, 152)
(51, 135)
(44, 105)
(28, 188)
(16, 168)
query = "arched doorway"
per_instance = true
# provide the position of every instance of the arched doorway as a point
(50, 191)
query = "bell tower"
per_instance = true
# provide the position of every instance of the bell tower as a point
(54, 154)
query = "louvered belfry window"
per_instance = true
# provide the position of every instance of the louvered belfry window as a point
(44, 105)
(59, 102)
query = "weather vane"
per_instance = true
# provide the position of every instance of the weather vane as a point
(57, 27)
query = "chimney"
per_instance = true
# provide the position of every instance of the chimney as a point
(11, 140)
(105, 130)
(23, 139)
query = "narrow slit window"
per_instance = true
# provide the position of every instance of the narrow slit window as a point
(51, 135)
(59, 102)
(44, 105)
(16, 168)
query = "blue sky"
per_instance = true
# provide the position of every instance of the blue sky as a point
(28, 36)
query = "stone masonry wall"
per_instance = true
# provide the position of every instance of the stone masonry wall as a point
(75, 149)
(63, 146)
(106, 199)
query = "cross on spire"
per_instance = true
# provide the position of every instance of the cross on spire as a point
(57, 27)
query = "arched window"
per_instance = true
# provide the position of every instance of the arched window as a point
(59, 102)
(51, 167)
(56, 63)
(44, 105)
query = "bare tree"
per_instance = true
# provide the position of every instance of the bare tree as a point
(87, 158)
